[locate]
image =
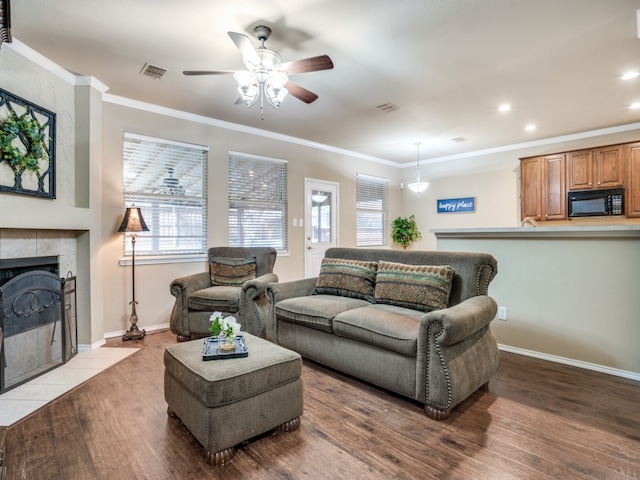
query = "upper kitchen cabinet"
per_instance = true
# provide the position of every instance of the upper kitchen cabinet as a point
(596, 168)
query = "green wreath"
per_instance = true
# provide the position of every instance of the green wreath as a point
(30, 134)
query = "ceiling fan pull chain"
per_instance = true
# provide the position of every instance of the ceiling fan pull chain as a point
(262, 106)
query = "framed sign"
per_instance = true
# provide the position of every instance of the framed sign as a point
(457, 205)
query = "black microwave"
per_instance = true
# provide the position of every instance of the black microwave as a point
(595, 203)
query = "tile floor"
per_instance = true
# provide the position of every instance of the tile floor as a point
(25, 399)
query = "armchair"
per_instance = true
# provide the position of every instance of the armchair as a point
(201, 294)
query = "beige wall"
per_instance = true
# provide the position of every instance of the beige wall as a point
(152, 281)
(89, 168)
(575, 298)
(78, 150)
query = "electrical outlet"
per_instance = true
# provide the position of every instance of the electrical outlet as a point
(502, 313)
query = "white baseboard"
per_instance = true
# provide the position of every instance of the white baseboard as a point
(100, 343)
(572, 362)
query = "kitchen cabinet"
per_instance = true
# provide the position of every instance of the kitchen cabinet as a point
(543, 188)
(632, 190)
(596, 168)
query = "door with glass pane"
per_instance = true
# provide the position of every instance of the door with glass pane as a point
(321, 214)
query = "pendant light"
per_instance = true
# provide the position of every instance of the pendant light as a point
(418, 186)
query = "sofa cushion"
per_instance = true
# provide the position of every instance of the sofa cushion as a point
(346, 278)
(385, 326)
(315, 311)
(231, 271)
(422, 287)
(225, 299)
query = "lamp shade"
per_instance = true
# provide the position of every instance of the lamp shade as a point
(133, 221)
(418, 187)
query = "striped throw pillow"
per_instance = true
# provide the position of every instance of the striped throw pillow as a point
(346, 278)
(420, 287)
(231, 272)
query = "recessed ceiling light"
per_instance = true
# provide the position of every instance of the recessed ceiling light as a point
(530, 128)
(635, 105)
(629, 75)
(504, 108)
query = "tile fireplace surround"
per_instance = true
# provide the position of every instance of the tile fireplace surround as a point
(23, 243)
(18, 243)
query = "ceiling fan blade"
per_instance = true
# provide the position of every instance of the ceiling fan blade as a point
(313, 64)
(300, 93)
(208, 72)
(246, 47)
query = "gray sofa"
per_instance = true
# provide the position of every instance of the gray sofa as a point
(197, 298)
(438, 357)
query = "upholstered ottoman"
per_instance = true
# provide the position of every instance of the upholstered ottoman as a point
(225, 402)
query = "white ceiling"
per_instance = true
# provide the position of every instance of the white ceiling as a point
(447, 64)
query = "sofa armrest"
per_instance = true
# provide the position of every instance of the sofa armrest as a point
(258, 285)
(276, 292)
(254, 307)
(457, 353)
(464, 319)
(182, 288)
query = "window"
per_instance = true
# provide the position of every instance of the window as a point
(167, 180)
(371, 210)
(257, 201)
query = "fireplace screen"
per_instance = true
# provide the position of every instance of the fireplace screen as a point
(38, 326)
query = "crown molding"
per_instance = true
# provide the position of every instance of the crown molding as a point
(170, 112)
(93, 82)
(42, 61)
(536, 143)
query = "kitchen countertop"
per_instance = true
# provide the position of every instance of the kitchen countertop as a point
(608, 231)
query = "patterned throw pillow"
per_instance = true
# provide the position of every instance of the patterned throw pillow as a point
(346, 278)
(420, 287)
(231, 272)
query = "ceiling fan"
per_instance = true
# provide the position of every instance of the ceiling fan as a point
(266, 75)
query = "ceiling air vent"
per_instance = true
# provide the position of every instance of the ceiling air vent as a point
(387, 107)
(153, 71)
(459, 139)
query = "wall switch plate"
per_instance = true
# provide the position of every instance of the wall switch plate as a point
(502, 313)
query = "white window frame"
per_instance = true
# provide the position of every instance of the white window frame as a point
(173, 205)
(258, 201)
(371, 208)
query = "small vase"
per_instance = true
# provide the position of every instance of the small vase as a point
(226, 343)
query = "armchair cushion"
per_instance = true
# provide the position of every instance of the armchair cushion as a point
(421, 287)
(231, 271)
(225, 299)
(346, 278)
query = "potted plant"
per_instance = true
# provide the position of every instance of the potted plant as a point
(404, 230)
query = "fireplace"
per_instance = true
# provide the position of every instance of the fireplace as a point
(37, 320)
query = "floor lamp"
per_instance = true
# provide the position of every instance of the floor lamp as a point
(133, 223)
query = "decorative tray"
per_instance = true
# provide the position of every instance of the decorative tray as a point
(211, 351)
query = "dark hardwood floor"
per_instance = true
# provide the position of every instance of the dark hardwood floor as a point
(536, 420)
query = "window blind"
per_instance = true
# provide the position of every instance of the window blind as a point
(257, 201)
(371, 210)
(167, 180)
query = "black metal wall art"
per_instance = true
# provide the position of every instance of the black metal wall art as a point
(27, 147)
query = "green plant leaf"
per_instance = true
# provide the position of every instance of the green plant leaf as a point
(404, 230)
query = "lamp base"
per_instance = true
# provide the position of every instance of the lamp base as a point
(134, 333)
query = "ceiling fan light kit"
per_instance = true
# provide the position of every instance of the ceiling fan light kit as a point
(418, 186)
(266, 76)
